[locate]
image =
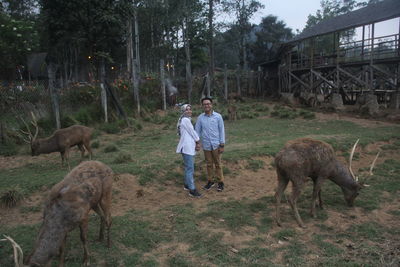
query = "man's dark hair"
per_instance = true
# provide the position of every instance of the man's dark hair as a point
(206, 98)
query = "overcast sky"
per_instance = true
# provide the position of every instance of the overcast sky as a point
(293, 12)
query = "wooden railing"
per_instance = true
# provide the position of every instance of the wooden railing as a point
(379, 48)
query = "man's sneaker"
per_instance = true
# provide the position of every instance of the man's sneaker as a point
(194, 193)
(220, 186)
(208, 185)
(186, 188)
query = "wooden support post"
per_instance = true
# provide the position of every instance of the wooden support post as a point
(371, 62)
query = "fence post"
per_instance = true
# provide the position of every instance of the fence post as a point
(51, 70)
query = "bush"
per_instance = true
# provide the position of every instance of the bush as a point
(83, 116)
(11, 197)
(284, 113)
(307, 114)
(111, 128)
(123, 158)
(79, 95)
(95, 144)
(8, 149)
(110, 148)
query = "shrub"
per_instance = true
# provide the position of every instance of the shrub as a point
(11, 197)
(8, 149)
(122, 158)
(284, 113)
(79, 95)
(95, 144)
(111, 128)
(83, 116)
(110, 148)
(307, 114)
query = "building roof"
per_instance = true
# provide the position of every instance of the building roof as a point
(385, 10)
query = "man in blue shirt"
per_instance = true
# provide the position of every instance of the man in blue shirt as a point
(210, 128)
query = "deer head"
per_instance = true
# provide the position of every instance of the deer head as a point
(350, 195)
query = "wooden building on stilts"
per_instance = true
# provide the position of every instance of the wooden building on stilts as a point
(351, 55)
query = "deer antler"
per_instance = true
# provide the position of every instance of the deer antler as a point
(29, 133)
(373, 163)
(18, 254)
(351, 159)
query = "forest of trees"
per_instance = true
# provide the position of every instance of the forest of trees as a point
(131, 37)
(79, 35)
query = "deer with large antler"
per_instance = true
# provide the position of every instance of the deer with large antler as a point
(305, 157)
(61, 140)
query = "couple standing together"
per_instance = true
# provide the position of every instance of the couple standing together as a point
(210, 130)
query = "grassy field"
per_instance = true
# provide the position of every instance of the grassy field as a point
(235, 227)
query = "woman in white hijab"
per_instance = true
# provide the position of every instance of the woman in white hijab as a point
(187, 146)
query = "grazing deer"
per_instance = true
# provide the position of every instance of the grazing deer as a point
(61, 141)
(304, 158)
(88, 186)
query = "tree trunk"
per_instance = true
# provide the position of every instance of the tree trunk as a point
(129, 47)
(239, 92)
(188, 61)
(135, 67)
(52, 70)
(162, 77)
(225, 82)
(103, 92)
(211, 42)
(137, 40)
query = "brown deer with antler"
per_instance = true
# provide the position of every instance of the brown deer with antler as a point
(61, 140)
(305, 157)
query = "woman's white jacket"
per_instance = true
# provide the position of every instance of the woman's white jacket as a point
(189, 137)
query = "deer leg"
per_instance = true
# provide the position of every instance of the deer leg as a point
(105, 204)
(316, 192)
(84, 227)
(62, 158)
(100, 212)
(297, 186)
(282, 184)
(62, 252)
(66, 156)
(88, 148)
(82, 149)
(320, 200)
